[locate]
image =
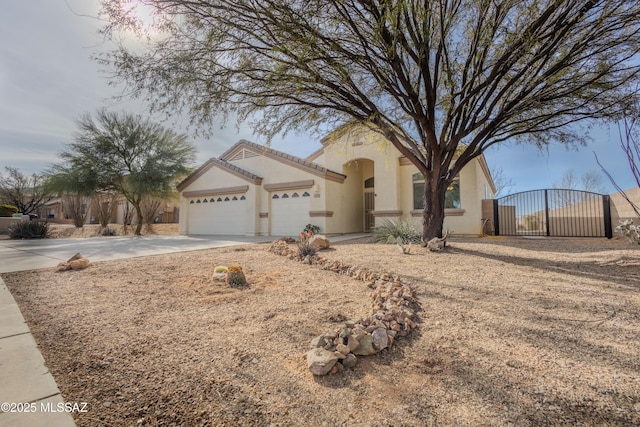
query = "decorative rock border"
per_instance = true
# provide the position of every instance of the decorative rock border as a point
(393, 305)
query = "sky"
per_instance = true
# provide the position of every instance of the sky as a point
(48, 80)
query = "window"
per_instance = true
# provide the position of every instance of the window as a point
(205, 201)
(219, 199)
(235, 198)
(243, 198)
(226, 199)
(305, 194)
(369, 183)
(275, 196)
(198, 201)
(212, 200)
(451, 198)
(295, 195)
(285, 196)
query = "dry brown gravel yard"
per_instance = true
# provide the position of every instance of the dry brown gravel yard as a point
(513, 332)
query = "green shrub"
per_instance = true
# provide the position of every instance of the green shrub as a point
(395, 232)
(314, 229)
(29, 230)
(220, 269)
(8, 210)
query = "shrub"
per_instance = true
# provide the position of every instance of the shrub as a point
(29, 230)
(394, 232)
(8, 210)
(236, 277)
(314, 229)
(305, 249)
(107, 231)
(630, 231)
(220, 269)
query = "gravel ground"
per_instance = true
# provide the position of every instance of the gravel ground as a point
(512, 332)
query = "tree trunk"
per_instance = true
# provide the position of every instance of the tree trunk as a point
(435, 189)
(139, 220)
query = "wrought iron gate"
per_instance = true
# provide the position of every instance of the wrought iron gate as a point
(553, 212)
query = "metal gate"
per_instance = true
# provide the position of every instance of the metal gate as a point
(553, 212)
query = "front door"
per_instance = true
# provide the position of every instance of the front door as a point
(369, 207)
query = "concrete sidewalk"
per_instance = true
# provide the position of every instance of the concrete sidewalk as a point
(25, 381)
(29, 396)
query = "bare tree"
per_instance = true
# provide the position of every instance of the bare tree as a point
(26, 192)
(435, 78)
(150, 207)
(104, 204)
(588, 181)
(75, 207)
(501, 182)
(572, 190)
(630, 144)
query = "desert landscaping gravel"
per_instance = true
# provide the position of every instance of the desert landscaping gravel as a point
(512, 332)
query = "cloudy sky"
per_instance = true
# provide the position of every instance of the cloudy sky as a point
(47, 80)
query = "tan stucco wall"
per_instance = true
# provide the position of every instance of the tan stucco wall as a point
(394, 185)
(621, 209)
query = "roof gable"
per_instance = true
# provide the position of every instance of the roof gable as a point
(224, 165)
(244, 149)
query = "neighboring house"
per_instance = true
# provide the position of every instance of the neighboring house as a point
(54, 211)
(349, 185)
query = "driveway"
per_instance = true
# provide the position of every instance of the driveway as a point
(18, 255)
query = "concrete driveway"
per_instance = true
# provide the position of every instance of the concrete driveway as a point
(18, 255)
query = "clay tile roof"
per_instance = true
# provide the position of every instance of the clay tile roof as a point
(275, 153)
(255, 179)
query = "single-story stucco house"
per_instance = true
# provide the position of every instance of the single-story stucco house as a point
(347, 186)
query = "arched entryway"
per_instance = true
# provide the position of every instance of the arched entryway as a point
(359, 194)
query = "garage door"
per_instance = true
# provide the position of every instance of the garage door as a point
(289, 213)
(218, 215)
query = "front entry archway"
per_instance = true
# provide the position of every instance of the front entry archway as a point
(359, 195)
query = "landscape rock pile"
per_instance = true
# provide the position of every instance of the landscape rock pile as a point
(393, 315)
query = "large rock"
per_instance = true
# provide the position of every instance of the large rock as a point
(319, 242)
(320, 361)
(380, 339)
(76, 262)
(365, 347)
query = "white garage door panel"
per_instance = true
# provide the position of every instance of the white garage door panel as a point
(289, 216)
(225, 218)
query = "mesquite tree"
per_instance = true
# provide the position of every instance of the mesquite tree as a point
(441, 80)
(129, 155)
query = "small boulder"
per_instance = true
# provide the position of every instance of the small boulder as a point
(319, 242)
(365, 347)
(380, 339)
(352, 343)
(76, 262)
(221, 277)
(321, 361)
(318, 342)
(342, 349)
(349, 361)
